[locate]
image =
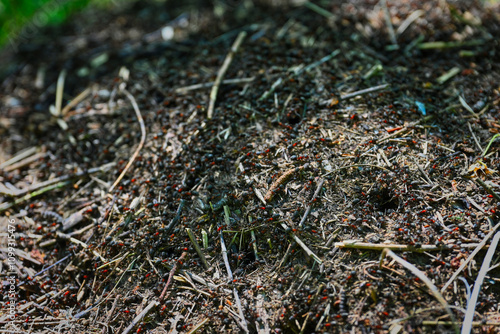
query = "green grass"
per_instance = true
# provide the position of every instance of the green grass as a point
(20, 20)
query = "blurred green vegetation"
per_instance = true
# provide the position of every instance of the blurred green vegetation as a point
(21, 19)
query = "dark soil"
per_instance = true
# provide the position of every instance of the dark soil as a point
(276, 185)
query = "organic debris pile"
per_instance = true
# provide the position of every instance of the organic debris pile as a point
(322, 168)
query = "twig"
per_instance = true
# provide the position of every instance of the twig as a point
(409, 20)
(363, 91)
(308, 210)
(355, 244)
(384, 157)
(424, 174)
(475, 138)
(303, 245)
(59, 92)
(254, 244)
(448, 75)
(110, 313)
(19, 156)
(141, 143)
(318, 290)
(183, 90)
(75, 101)
(318, 9)
(423, 278)
(471, 256)
(449, 323)
(471, 305)
(287, 254)
(81, 243)
(61, 179)
(268, 92)
(222, 72)
(197, 248)
(356, 165)
(446, 45)
(141, 315)
(198, 326)
(25, 162)
(319, 62)
(171, 274)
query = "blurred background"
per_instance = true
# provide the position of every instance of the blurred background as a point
(20, 18)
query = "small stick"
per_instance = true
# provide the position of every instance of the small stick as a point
(197, 248)
(382, 154)
(58, 180)
(280, 181)
(422, 172)
(141, 143)
(268, 92)
(446, 45)
(110, 313)
(27, 161)
(198, 326)
(319, 62)
(355, 244)
(320, 287)
(222, 72)
(449, 323)
(316, 193)
(254, 243)
(183, 90)
(364, 91)
(81, 243)
(475, 138)
(59, 92)
(171, 274)
(287, 254)
(303, 245)
(20, 156)
(75, 101)
(141, 315)
(426, 280)
(356, 165)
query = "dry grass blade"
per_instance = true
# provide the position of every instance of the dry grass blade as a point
(427, 281)
(222, 72)
(471, 256)
(197, 248)
(471, 305)
(139, 317)
(141, 143)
